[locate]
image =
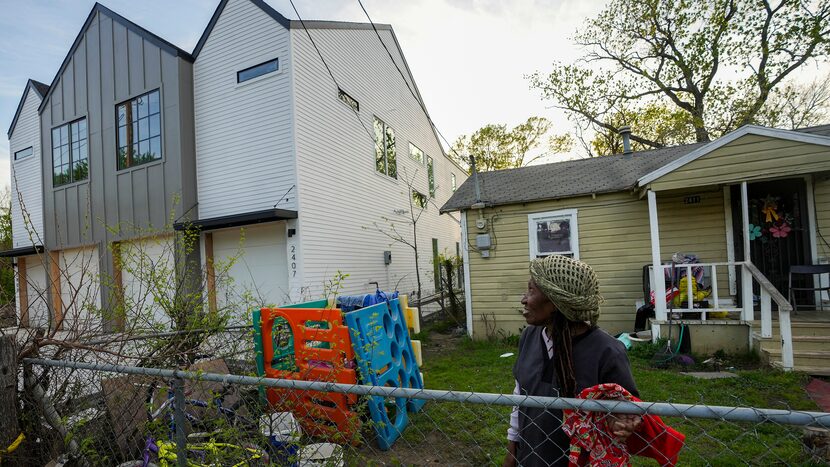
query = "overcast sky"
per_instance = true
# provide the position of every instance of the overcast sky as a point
(469, 57)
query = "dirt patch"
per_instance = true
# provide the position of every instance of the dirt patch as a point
(439, 344)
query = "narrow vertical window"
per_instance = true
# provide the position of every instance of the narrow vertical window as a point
(436, 265)
(70, 158)
(431, 177)
(139, 130)
(385, 158)
(453, 183)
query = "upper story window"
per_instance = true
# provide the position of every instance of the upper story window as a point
(348, 100)
(385, 159)
(139, 130)
(419, 199)
(553, 233)
(23, 153)
(453, 182)
(70, 154)
(258, 70)
(431, 177)
(416, 153)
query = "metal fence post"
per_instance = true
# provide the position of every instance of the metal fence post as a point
(179, 418)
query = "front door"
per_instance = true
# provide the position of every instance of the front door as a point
(778, 230)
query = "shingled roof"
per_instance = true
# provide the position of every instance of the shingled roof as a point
(566, 179)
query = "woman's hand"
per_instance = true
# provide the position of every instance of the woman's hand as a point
(621, 425)
(510, 458)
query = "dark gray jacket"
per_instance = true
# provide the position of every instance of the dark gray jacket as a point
(598, 358)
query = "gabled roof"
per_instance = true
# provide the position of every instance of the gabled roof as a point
(316, 24)
(39, 88)
(285, 22)
(147, 35)
(801, 136)
(606, 174)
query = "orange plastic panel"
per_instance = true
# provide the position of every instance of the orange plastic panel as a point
(322, 352)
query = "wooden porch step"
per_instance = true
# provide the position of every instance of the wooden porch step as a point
(798, 328)
(803, 359)
(800, 343)
(810, 370)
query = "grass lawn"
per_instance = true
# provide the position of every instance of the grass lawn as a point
(465, 433)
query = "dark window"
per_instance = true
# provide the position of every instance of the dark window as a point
(70, 158)
(258, 70)
(436, 265)
(139, 130)
(23, 153)
(419, 199)
(348, 100)
(431, 177)
(385, 160)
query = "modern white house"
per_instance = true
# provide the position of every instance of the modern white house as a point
(294, 149)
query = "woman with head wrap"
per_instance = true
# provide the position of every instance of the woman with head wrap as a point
(561, 352)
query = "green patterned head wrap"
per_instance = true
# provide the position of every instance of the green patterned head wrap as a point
(570, 284)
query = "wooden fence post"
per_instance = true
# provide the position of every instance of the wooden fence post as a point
(9, 429)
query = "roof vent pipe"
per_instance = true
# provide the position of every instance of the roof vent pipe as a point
(474, 173)
(625, 132)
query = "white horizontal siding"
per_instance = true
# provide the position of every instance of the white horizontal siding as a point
(27, 184)
(244, 145)
(342, 197)
(251, 268)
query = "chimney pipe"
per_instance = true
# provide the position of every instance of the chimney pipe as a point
(474, 173)
(625, 132)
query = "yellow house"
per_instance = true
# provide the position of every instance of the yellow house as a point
(749, 206)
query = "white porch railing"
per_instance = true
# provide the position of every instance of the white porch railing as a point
(749, 273)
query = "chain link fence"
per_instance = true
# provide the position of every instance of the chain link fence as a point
(94, 413)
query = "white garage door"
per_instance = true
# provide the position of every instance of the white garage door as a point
(251, 267)
(36, 292)
(80, 289)
(148, 279)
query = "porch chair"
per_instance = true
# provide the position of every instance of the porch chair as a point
(811, 270)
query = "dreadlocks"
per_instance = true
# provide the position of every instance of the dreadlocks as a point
(559, 330)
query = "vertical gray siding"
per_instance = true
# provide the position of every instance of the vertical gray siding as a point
(113, 64)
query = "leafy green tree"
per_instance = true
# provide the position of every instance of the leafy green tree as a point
(496, 147)
(714, 66)
(6, 268)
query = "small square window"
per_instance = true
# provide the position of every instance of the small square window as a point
(348, 100)
(416, 153)
(419, 199)
(553, 233)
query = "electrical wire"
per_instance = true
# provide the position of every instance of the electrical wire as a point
(411, 91)
(320, 54)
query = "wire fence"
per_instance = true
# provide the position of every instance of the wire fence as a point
(94, 413)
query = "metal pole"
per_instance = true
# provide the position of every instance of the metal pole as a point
(741, 414)
(179, 419)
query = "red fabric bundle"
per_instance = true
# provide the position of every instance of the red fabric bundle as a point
(590, 434)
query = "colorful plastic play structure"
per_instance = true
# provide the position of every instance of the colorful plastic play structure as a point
(360, 339)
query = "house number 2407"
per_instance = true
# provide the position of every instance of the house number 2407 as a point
(293, 261)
